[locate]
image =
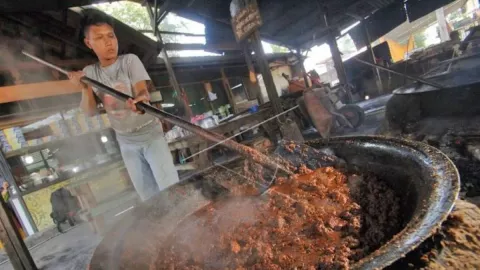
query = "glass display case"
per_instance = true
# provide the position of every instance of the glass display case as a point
(51, 163)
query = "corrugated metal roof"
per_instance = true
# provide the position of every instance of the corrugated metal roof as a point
(378, 4)
(291, 22)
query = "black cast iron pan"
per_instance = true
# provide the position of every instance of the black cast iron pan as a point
(425, 179)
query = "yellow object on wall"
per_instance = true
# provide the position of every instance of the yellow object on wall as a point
(38, 203)
(22, 234)
(398, 51)
(106, 181)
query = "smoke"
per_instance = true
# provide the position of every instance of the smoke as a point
(194, 235)
(176, 218)
(27, 100)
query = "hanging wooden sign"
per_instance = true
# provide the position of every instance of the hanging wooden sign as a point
(246, 21)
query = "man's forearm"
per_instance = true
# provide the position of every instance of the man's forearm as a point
(88, 103)
(143, 88)
(144, 93)
(147, 90)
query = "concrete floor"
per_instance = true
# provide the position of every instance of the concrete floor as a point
(68, 251)
(73, 249)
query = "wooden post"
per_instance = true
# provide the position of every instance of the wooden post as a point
(8, 244)
(207, 87)
(253, 82)
(442, 25)
(171, 73)
(304, 71)
(186, 102)
(6, 172)
(337, 58)
(266, 74)
(228, 90)
(202, 160)
(16, 250)
(163, 51)
(371, 54)
(286, 127)
(336, 55)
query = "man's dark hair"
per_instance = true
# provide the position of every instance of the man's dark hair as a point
(95, 17)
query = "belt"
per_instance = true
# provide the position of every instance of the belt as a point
(132, 130)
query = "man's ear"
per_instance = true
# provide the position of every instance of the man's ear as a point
(87, 43)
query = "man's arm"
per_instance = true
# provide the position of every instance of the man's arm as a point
(143, 88)
(142, 84)
(141, 91)
(88, 103)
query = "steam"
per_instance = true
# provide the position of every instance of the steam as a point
(195, 236)
(179, 218)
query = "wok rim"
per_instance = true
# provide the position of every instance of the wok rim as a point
(393, 250)
(410, 237)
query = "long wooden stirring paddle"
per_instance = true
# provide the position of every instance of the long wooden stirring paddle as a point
(246, 151)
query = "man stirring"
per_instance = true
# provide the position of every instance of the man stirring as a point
(140, 136)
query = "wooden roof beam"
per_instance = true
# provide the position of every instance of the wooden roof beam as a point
(191, 15)
(36, 90)
(197, 46)
(74, 63)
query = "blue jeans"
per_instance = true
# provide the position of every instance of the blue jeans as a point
(149, 164)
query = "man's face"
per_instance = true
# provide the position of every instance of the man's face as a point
(102, 40)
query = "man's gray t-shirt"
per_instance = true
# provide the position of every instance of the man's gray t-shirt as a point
(122, 76)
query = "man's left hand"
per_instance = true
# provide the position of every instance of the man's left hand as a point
(132, 103)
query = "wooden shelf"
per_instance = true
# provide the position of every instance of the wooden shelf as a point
(81, 175)
(35, 148)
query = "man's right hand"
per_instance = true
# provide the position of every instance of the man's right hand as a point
(75, 77)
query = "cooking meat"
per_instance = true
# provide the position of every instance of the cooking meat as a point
(309, 221)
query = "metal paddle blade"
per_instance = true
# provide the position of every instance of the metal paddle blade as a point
(301, 154)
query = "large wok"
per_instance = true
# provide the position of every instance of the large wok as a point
(425, 179)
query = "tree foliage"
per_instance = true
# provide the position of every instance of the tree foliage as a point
(130, 13)
(346, 45)
(420, 40)
(136, 16)
(279, 49)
